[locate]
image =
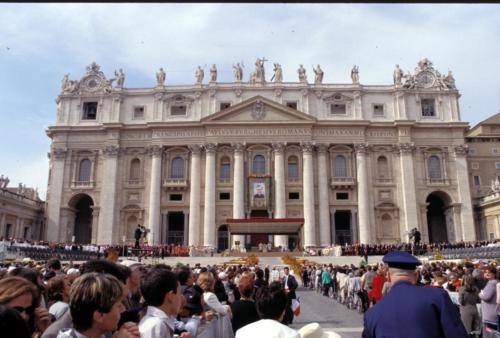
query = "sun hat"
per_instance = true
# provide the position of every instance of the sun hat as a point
(313, 330)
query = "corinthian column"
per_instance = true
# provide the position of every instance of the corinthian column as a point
(324, 212)
(308, 182)
(279, 188)
(194, 196)
(408, 183)
(363, 197)
(466, 215)
(57, 160)
(107, 218)
(238, 190)
(209, 212)
(154, 194)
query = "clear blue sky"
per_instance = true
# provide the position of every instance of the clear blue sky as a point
(39, 43)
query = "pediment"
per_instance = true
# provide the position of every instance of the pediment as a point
(258, 109)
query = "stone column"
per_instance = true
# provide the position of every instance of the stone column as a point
(410, 207)
(363, 194)
(279, 189)
(308, 196)
(194, 196)
(466, 215)
(238, 189)
(186, 221)
(209, 212)
(107, 217)
(57, 160)
(155, 152)
(2, 225)
(95, 222)
(324, 202)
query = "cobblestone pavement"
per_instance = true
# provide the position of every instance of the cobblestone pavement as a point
(330, 314)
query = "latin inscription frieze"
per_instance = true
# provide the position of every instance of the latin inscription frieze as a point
(179, 133)
(276, 131)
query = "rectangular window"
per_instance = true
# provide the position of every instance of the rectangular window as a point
(477, 181)
(89, 111)
(178, 110)
(337, 109)
(175, 197)
(224, 196)
(224, 105)
(475, 165)
(139, 113)
(293, 196)
(428, 108)
(497, 165)
(378, 110)
(292, 104)
(342, 196)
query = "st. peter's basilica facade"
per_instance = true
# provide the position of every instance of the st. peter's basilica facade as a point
(292, 163)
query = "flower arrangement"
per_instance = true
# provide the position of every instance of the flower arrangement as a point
(294, 265)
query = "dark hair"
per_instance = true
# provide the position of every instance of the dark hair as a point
(259, 273)
(12, 324)
(54, 263)
(183, 275)
(271, 301)
(125, 270)
(103, 266)
(156, 284)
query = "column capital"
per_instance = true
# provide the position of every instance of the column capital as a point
(58, 153)
(307, 147)
(361, 148)
(154, 150)
(111, 151)
(195, 149)
(210, 148)
(461, 150)
(406, 148)
(322, 148)
(279, 147)
(238, 147)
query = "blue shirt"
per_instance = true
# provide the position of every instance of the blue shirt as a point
(412, 311)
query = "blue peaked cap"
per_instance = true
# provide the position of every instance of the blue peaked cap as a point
(401, 260)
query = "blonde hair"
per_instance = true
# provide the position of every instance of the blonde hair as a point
(206, 281)
(13, 287)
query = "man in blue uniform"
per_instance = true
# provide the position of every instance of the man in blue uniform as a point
(411, 311)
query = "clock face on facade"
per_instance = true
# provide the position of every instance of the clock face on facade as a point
(426, 79)
(92, 83)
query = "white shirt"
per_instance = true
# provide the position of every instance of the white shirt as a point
(58, 309)
(266, 328)
(155, 324)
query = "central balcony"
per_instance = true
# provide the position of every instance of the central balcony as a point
(175, 183)
(342, 182)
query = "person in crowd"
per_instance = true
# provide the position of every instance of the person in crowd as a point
(95, 306)
(22, 295)
(375, 294)
(219, 289)
(409, 310)
(162, 293)
(12, 324)
(289, 284)
(387, 284)
(489, 301)
(271, 303)
(58, 289)
(244, 310)
(368, 277)
(468, 298)
(53, 269)
(35, 277)
(259, 279)
(326, 279)
(206, 282)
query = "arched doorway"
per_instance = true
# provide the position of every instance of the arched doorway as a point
(222, 238)
(438, 204)
(83, 220)
(131, 227)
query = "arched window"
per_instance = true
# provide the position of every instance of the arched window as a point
(383, 167)
(135, 169)
(84, 170)
(340, 166)
(293, 167)
(259, 165)
(225, 168)
(434, 164)
(177, 169)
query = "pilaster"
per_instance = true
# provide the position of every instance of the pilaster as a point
(308, 179)
(194, 196)
(107, 219)
(363, 194)
(466, 215)
(57, 162)
(324, 213)
(155, 151)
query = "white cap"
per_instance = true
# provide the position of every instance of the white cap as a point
(313, 330)
(222, 275)
(73, 271)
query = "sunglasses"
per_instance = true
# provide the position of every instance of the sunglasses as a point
(29, 310)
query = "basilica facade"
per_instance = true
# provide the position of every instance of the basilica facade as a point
(216, 164)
